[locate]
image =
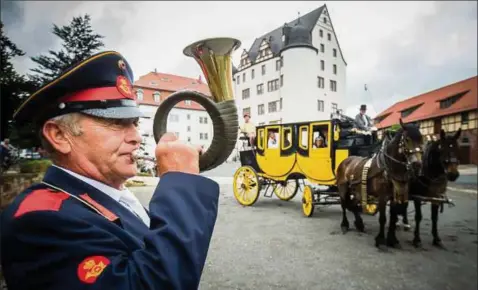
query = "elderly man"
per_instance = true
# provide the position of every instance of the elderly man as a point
(80, 228)
(362, 120)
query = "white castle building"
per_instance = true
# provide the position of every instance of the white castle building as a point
(294, 73)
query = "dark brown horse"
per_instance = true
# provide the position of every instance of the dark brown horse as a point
(387, 178)
(440, 165)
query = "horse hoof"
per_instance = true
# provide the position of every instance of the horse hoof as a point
(394, 244)
(382, 247)
(345, 229)
(360, 227)
(439, 244)
(417, 244)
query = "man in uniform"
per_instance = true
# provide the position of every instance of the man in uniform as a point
(80, 228)
(365, 123)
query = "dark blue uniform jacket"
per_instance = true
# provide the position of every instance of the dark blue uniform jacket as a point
(68, 235)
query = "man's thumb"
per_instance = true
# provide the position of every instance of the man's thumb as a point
(168, 137)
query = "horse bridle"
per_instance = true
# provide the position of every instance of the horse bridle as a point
(402, 149)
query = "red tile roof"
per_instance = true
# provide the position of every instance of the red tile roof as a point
(428, 104)
(167, 84)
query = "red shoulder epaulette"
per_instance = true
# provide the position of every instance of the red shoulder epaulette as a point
(43, 199)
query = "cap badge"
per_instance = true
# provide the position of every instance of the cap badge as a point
(121, 64)
(124, 87)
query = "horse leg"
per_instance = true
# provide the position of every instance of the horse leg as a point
(345, 223)
(406, 225)
(358, 221)
(392, 240)
(417, 242)
(380, 238)
(436, 239)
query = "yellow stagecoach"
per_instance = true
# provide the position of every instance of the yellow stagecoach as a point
(287, 155)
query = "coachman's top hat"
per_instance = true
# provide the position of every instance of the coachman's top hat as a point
(363, 107)
(99, 86)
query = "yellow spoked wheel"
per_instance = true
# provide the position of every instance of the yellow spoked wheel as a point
(246, 185)
(286, 190)
(308, 201)
(371, 209)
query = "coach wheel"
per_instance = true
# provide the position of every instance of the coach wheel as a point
(308, 201)
(246, 185)
(286, 190)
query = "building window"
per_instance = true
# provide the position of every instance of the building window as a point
(334, 68)
(139, 94)
(405, 113)
(238, 80)
(260, 89)
(272, 106)
(322, 47)
(188, 116)
(244, 77)
(334, 108)
(245, 94)
(260, 109)
(322, 65)
(334, 52)
(329, 37)
(189, 128)
(273, 85)
(333, 86)
(156, 96)
(189, 139)
(203, 136)
(281, 61)
(464, 118)
(451, 100)
(187, 102)
(278, 66)
(280, 104)
(263, 69)
(320, 82)
(281, 80)
(202, 120)
(173, 118)
(320, 105)
(246, 111)
(321, 33)
(252, 74)
(325, 19)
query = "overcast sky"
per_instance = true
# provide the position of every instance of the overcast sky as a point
(399, 49)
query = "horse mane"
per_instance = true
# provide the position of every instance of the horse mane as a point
(430, 147)
(413, 132)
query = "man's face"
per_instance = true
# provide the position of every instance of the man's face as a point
(362, 112)
(246, 119)
(107, 145)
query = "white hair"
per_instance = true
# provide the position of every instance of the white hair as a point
(68, 121)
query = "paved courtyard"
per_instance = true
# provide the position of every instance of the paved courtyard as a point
(271, 245)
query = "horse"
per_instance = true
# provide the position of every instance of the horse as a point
(440, 165)
(384, 176)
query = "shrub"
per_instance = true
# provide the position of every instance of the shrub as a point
(35, 166)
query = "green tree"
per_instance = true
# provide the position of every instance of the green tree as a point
(14, 87)
(78, 43)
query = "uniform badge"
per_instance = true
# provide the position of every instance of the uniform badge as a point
(124, 87)
(91, 268)
(121, 64)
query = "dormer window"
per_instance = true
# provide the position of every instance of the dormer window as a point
(156, 96)
(187, 102)
(153, 83)
(139, 94)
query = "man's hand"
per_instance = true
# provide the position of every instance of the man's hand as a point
(174, 155)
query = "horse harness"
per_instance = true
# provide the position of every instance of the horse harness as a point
(399, 184)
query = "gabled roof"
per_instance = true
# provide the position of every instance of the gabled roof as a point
(172, 83)
(464, 93)
(275, 36)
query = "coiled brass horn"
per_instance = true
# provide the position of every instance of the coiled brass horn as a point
(214, 56)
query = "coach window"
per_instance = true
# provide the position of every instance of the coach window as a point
(286, 138)
(320, 134)
(304, 137)
(273, 138)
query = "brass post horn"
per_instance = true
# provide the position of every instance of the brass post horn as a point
(214, 56)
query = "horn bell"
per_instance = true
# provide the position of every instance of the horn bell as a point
(214, 56)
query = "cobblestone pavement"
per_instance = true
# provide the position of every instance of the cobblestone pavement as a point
(271, 245)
